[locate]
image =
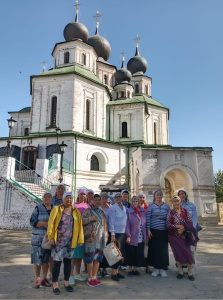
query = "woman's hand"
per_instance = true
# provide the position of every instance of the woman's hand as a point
(51, 242)
(128, 240)
(45, 224)
(180, 227)
(149, 234)
(113, 238)
(80, 244)
(94, 218)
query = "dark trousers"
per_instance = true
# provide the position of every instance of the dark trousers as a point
(66, 269)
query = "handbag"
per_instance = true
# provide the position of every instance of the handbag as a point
(146, 249)
(88, 230)
(198, 227)
(112, 253)
(191, 238)
(45, 243)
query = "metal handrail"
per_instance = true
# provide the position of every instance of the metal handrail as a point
(24, 174)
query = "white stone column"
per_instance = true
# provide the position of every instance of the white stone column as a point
(42, 166)
(7, 167)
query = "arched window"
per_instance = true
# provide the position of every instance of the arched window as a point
(94, 163)
(54, 111)
(128, 94)
(146, 89)
(66, 57)
(122, 94)
(136, 89)
(155, 133)
(124, 129)
(83, 59)
(105, 79)
(88, 111)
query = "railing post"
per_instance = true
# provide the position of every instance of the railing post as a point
(7, 167)
(42, 165)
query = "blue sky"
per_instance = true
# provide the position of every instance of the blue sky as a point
(180, 39)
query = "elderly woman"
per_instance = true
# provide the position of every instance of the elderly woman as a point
(142, 201)
(78, 255)
(178, 223)
(117, 222)
(90, 196)
(189, 206)
(39, 223)
(64, 232)
(58, 196)
(135, 236)
(95, 243)
(157, 234)
(104, 203)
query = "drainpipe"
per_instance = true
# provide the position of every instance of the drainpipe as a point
(75, 168)
(147, 138)
(128, 163)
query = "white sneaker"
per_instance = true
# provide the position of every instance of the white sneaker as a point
(155, 272)
(163, 273)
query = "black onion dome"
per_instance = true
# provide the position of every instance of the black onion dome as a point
(100, 45)
(75, 30)
(137, 63)
(123, 75)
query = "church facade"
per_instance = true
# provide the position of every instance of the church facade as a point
(116, 133)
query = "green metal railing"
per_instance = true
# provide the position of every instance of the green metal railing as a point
(66, 165)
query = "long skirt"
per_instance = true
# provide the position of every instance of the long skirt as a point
(135, 255)
(181, 251)
(158, 256)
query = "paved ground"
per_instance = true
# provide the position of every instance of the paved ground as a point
(17, 275)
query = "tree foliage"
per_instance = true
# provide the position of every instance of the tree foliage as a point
(218, 178)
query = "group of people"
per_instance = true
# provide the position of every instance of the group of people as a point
(79, 231)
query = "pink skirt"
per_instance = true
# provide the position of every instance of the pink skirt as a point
(181, 250)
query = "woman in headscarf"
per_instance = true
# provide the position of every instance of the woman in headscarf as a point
(158, 256)
(58, 196)
(95, 243)
(117, 222)
(135, 236)
(39, 223)
(64, 232)
(78, 255)
(142, 201)
(179, 223)
(90, 196)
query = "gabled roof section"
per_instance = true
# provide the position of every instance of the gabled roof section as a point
(76, 69)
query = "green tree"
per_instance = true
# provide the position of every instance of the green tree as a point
(218, 178)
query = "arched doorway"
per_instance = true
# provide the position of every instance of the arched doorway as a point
(29, 156)
(175, 179)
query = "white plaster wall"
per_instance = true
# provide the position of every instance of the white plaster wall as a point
(22, 122)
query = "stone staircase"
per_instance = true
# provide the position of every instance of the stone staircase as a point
(33, 188)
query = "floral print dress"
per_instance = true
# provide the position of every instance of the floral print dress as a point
(62, 247)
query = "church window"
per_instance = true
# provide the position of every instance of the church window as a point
(128, 94)
(124, 129)
(146, 89)
(105, 79)
(83, 59)
(26, 131)
(136, 89)
(122, 94)
(53, 111)
(88, 111)
(66, 57)
(94, 163)
(155, 133)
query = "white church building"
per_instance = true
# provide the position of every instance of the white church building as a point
(116, 133)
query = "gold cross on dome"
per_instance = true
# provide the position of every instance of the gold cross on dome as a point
(137, 39)
(97, 16)
(123, 53)
(76, 5)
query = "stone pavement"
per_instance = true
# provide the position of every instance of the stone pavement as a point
(17, 275)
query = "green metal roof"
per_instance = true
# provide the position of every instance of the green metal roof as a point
(23, 110)
(75, 69)
(138, 99)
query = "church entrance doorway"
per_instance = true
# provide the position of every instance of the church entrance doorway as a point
(177, 179)
(29, 157)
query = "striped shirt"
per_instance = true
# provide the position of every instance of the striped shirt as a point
(156, 216)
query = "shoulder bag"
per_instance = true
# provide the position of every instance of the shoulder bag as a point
(112, 253)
